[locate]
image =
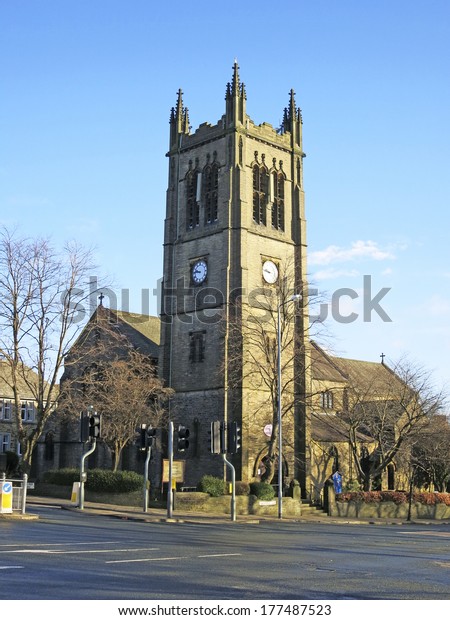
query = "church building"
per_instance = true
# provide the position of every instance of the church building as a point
(234, 248)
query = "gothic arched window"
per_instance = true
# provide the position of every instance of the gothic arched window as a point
(278, 200)
(260, 190)
(193, 209)
(197, 346)
(326, 399)
(210, 192)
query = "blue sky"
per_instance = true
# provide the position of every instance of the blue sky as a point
(86, 92)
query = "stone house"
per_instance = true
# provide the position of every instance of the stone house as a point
(46, 453)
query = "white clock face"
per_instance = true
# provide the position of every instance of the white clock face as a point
(270, 272)
(199, 271)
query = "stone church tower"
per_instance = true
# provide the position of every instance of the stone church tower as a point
(234, 238)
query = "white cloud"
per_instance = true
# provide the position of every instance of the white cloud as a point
(357, 250)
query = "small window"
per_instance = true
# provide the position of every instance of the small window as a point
(27, 411)
(197, 347)
(326, 400)
(5, 442)
(5, 409)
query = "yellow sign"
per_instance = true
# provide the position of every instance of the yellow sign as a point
(75, 497)
(177, 471)
(6, 496)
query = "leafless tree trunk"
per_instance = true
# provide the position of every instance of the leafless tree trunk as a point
(121, 383)
(391, 410)
(41, 312)
(253, 358)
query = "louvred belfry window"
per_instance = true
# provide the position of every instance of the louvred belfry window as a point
(210, 192)
(278, 201)
(193, 209)
(260, 190)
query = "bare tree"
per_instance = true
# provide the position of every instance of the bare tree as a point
(392, 409)
(253, 360)
(105, 370)
(41, 295)
(430, 456)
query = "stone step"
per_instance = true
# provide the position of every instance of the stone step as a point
(311, 510)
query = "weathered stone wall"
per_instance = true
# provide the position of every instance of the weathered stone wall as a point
(384, 510)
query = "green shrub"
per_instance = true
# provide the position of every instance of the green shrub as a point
(242, 488)
(99, 480)
(352, 485)
(105, 481)
(213, 486)
(65, 477)
(262, 490)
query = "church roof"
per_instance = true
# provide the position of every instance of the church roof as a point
(142, 330)
(359, 374)
(323, 366)
(148, 326)
(362, 375)
(27, 382)
(330, 427)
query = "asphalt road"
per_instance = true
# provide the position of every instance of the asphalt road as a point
(66, 555)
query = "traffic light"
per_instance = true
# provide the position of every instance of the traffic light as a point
(147, 436)
(234, 437)
(214, 440)
(143, 436)
(182, 441)
(223, 438)
(95, 424)
(84, 427)
(150, 437)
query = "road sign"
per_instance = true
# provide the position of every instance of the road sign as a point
(5, 497)
(268, 430)
(177, 471)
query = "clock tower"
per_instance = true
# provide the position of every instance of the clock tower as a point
(234, 254)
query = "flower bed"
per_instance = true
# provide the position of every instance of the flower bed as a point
(390, 504)
(397, 497)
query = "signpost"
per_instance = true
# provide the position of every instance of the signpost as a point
(5, 496)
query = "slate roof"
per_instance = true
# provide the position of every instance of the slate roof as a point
(359, 374)
(25, 392)
(332, 428)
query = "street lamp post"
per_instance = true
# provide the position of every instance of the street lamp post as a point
(296, 297)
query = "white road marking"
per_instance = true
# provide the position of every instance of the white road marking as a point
(70, 544)
(218, 555)
(9, 567)
(78, 552)
(183, 557)
(178, 557)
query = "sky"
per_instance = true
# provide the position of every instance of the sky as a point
(86, 89)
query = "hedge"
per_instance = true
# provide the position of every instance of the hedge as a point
(213, 486)
(398, 497)
(99, 480)
(262, 490)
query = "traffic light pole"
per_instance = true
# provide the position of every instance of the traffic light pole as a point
(169, 490)
(233, 487)
(83, 473)
(147, 461)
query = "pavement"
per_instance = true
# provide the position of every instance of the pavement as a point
(159, 515)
